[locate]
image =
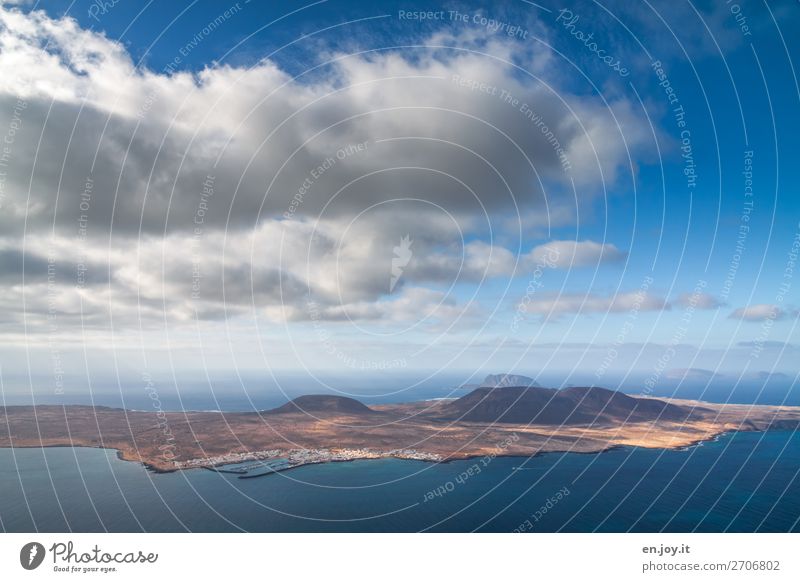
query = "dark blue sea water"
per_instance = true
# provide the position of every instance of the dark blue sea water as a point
(743, 482)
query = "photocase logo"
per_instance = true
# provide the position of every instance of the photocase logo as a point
(31, 555)
(402, 255)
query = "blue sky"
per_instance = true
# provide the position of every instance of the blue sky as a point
(625, 218)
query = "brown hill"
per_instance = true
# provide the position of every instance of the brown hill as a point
(321, 403)
(547, 406)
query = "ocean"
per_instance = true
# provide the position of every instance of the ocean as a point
(742, 482)
(257, 391)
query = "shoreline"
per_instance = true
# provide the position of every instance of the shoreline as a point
(214, 467)
(255, 445)
(715, 437)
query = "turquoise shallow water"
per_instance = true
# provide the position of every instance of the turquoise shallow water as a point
(742, 482)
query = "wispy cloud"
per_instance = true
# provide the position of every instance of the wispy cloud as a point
(760, 312)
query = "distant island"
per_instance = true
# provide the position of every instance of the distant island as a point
(503, 381)
(497, 420)
(507, 380)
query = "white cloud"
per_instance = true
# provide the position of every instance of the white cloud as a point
(566, 254)
(759, 312)
(555, 305)
(414, 304)
(698, 301)
(441, 164)
(163, 133)
(479, 260)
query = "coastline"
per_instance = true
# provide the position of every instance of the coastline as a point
(214, 466)
(347, 431)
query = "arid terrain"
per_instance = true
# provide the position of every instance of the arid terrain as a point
(487, 421)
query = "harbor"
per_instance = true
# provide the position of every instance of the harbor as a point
(269, 462)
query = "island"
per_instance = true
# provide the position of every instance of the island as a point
(488, 421)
